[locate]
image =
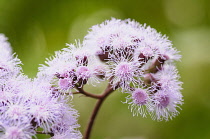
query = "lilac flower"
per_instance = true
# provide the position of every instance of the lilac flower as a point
(67, 126)
(111, 35)
(67, 134)
(16, 108)
(91, 72)
(144, 53)
(14, 100)
(71, 66)
(19, 129)
(65, 84)
(82, 73)
(167, 78)
(9, 68)
(139, 102)
(47, 110)
(123, 73)
(88, 68)
(167, 97)
(126, 35)
(100, 70)
(140, 97)
(79, 52)
(59, 68)
(162, 98)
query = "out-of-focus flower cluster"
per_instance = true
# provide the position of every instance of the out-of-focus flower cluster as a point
(27, 105)
(134, 58)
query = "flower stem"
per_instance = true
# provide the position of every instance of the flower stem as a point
(82, 91)
(100, 100)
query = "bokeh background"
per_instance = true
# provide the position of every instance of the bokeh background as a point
(37, 28)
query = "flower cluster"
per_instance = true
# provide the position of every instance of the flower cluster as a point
(133, 58)
(141, 62)
(26, 104)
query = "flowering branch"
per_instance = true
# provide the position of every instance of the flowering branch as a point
(134, 58)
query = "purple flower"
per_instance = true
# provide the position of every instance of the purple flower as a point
(166, 93)
(19, 129)
(65, 84)
(139, 102)
(123, 73)
(139, 96)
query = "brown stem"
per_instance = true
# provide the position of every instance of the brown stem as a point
(101, 99)
(88, 94)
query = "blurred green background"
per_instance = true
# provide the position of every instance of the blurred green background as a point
(37, 28)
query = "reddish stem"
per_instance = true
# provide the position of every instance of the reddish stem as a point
(82, 91)
(101, 99)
